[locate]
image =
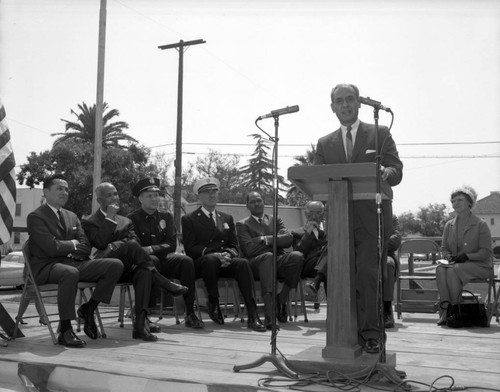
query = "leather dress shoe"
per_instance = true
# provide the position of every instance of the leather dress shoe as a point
(151, 327)
(144, 334)
(255, 324)
(169, 286)
(311, 291)
(268, 322)
(89, 326)
(372, 346)
(193, 322)
(215, 313)
(389, 320)
(281, 313)
(69, 339)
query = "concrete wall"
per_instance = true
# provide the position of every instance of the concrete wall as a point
(293, 217)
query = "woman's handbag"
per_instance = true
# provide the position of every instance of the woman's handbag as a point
(467, 314)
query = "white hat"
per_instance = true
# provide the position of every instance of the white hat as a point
(206, 184)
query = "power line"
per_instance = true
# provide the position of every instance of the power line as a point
(308, 145)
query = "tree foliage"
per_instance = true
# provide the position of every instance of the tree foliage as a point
(83, 130)
(226, 169)
(258, 173)
(75, 160)
(294, 196)
(428, 222)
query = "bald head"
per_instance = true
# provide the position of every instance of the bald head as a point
(315, 211)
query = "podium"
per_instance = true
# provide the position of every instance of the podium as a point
(340, 185)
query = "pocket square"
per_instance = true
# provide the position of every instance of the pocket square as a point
(370, 151)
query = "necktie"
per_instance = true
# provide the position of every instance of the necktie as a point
(211, 216)
(349, 145)
(61, 220)
(260, 221)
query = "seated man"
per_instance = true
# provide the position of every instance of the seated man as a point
(158, 237)
(255, 235)
(60, 254)
(392, 272)
(113, 236)
(210, 239)
(311, 240)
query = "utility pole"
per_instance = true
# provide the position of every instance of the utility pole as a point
(178, 145)
(99, 102)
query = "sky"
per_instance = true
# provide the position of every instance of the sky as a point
(436, 63)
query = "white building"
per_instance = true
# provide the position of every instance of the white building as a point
(27, 200)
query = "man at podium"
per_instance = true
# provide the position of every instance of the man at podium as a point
(354, 142)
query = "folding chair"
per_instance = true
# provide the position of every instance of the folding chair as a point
(416, 298)
(300, 290)
(46, 291)
(125, 291)
(492, 295)
(236, 297)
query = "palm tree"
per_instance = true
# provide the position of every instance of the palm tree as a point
(294, 196)
(84, 129)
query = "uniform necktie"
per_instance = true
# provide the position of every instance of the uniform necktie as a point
(349, 145)
(260, 221)
(61, 220)
(211, 216)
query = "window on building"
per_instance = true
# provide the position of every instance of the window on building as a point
(17, 237)
(18, 209)
(492, 221)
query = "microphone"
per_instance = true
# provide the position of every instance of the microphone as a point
(376, 104)
(279, 112)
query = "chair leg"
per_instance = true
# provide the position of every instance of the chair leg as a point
(197, 302)
(161, 305)
(81, 295)
(303, 301)
(121, 306)
(237, 305)
(226, 289)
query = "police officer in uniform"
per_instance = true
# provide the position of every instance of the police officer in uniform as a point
(210, 239)
(158, 237)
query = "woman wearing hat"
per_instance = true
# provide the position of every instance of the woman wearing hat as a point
(466, 248)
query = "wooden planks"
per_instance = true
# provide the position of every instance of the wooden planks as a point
(424, 351)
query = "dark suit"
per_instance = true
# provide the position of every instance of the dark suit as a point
(289, 264)
(120, 233)
(330, 150)
(314, 250)
(54, 259)
(203, 240)
(158, 231)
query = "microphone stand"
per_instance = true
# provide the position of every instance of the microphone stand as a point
(277, 361)
(380, 276)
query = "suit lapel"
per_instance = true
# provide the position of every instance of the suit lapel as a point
(359, 143)
(55, 220)
(337, 146)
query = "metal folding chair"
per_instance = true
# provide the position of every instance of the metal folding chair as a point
(43, 292)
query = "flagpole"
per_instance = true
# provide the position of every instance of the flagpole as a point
(99, 102)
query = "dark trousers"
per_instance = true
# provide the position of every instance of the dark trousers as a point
(137, 269)
(67, 274)
(367, 263)
(181, 267)
(209, 268)
(289, 267)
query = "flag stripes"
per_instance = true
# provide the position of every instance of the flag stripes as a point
(7, 180)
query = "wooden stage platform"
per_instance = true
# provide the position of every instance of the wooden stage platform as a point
(202, 360)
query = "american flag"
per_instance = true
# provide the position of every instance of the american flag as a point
(7, 180)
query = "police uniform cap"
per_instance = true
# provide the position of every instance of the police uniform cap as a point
(206, 184)
(146, 184)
